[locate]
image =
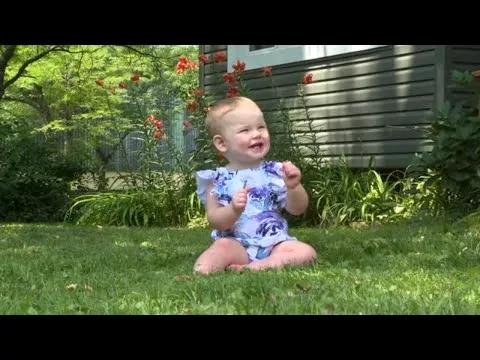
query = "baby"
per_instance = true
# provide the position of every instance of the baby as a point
(244, 198)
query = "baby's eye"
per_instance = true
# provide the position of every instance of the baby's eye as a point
(262, 127)
(243, 130)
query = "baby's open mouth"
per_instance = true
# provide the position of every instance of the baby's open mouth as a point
(257, 146)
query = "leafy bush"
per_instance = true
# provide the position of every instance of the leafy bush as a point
(454, 162)
(34, 177)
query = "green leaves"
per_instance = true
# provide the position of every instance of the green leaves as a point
(455, 156)
(342, 196)
(171, 202)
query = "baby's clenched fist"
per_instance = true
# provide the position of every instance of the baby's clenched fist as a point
(239, 200)
(292, 175)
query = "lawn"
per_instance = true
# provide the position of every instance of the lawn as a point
(417, 267)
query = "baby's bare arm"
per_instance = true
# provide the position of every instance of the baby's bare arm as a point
(297, 200)
(223, 217)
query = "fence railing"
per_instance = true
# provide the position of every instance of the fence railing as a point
(123, 149)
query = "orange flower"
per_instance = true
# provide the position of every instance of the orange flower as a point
(192, 65)
(267, 71)
(239, 67)
(192, 106)
(158, 124)
(135, 77)
(149, 119)
(203, 58)
(229, 78)
(122, 85)
(307, 78)
(220, 56)
(181, 67)
(233, 91)
(158, 134)
(199, 92)
(185, 64)
(99, 82)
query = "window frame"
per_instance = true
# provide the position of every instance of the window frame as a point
(285, 54)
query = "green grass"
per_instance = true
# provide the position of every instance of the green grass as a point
(428, 267)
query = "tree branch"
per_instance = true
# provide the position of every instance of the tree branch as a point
(7, 54)
(22, 100)
(30, 61)
(153, 56)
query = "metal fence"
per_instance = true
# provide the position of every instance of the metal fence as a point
(125, 153)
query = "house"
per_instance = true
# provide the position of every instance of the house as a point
(365, 100)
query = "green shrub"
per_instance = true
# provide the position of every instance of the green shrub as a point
(341, 196)
(34, 177)
(454, 162)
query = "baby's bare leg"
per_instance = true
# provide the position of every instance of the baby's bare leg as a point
(219, 255)
(286, 253)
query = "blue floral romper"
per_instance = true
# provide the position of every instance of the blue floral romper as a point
(260, 227)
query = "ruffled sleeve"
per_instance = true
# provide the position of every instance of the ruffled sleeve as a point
(204, 179)
(219, 179)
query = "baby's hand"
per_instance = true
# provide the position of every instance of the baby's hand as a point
(239, 200)
(292, 175)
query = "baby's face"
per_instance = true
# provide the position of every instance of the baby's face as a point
(246, 135)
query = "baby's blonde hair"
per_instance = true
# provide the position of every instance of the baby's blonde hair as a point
(218, 110)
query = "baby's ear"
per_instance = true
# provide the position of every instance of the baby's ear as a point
(219, 143)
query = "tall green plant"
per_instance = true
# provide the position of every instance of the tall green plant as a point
(454, 161)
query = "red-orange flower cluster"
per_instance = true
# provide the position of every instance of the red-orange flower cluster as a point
(192, 105)
(238, 67)
(198, 92)
(307, 78)
(203, 58)
(135, 77)
(184, 64)
(233, 91)
(230, 78)
(150, 119)
(220, 56)
(158, 134)
(158, 126)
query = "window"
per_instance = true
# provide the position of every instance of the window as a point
(259, 47)
(257, 56)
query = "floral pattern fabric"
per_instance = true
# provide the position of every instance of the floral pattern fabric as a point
(261, 225)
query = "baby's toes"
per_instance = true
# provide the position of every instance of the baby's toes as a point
(236, 267)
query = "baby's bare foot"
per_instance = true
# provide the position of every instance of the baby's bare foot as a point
(236, 267)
